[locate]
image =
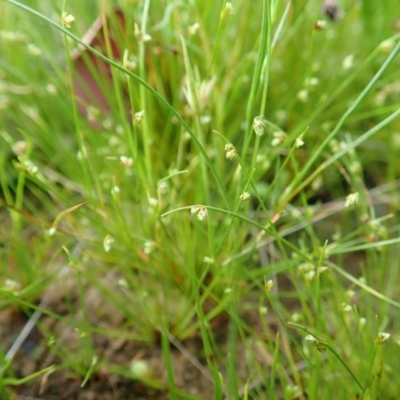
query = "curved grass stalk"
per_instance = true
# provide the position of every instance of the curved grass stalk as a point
(272, 232)
(158, 96)
(333, 351)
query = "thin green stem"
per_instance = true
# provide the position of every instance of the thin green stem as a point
(245, 219)
(306, 181)
(333, 351)
(256, 76)
(160, 98)
(316, 154)
(142, 94)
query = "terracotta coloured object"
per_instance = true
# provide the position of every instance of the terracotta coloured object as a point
(88, 69)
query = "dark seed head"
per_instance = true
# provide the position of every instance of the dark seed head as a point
(330, 9)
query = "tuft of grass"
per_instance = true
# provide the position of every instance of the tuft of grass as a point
(234, 177)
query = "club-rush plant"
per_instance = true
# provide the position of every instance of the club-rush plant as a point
(199, 199)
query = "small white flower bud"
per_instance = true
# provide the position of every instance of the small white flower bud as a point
(138, 117)
(320, 346)
(303, 96)
(320, 270)
(299, 142)
(268, 285)
(127, 63)
(313, 81)
(107, 243)
(11, 286)
(202, 214)
(140, 370)
(82, 154)
(115, 190)
(149, 246)
(382, 338)
(386, 46)
(231, 152)
(227, 11)
(205, 119)
(27, 165)
(309, 276)
(52, 231)
(296, 317)
(141, 36)
(305, 267)
(259, 126)
(244, 196)
(93, 113)
(279, 138)
(34, 50)
(348, 62)
(153, 202)
(346, 307)
(351, 200)
(163, 188)
(310, 338)
(123, 283)
(355, 167)
(193, 29)
(293, 392)
(263, 310)
(51, 89)
(19, 147)
(127, 162)
(67, 19)
(320, 25)
(200, 211)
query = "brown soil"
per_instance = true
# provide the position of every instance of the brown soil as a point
(104, 384)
